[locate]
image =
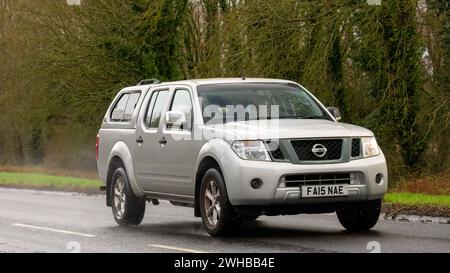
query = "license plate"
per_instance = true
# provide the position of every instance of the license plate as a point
(324, 191)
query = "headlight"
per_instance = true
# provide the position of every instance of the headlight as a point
(251, 150)
(370, 146)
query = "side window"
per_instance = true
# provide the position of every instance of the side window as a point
(124, 109)
(148, 115)
(119, 108)
(182, 103)
(156, 106)
(131, 106)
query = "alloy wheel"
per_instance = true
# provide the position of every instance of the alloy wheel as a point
(119, 196)
(212, 203)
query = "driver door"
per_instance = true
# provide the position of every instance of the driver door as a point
(179, 154)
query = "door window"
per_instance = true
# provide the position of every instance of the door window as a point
(155, 110)
(182, 103)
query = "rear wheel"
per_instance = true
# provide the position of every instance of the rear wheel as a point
(126, 207)
(217, 213)
(362, 216)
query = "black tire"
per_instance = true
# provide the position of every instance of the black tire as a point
(228, 222)
(362, 216)
(133, 210)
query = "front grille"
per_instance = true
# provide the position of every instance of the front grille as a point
(277, 154)
(275, 151)
(304, 149)
(297, 180)
(356, 147)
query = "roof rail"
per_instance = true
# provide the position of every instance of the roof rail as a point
(149, 81)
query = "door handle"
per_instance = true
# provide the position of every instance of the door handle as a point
(140, 140)
(163, 141)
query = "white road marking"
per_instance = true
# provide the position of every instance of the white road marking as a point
(178, 249)
(53, 230)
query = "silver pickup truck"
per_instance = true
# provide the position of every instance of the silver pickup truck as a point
(235, 149)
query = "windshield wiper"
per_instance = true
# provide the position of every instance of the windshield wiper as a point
(313, 117)
(307, 117)
(289, 117)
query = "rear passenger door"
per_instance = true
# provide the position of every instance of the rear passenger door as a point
(148, 150)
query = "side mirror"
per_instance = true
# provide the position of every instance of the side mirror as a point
(175, 120)
(335, 112)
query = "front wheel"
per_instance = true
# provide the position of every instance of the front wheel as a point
(362, 216)
(217, 213)
(126, 207)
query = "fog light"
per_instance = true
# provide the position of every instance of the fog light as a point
(379, 178)
(256, 183)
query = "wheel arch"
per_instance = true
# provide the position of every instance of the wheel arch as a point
(205, 164)
(120, 156)
(114, 163)
(210, 155)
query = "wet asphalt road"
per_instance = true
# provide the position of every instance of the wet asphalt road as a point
(32, 221)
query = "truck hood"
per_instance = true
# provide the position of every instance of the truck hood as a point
(284, 129)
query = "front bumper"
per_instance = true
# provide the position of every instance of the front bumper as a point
(238, 173)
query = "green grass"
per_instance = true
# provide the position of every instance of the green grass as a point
(32, 180)
(417, 199)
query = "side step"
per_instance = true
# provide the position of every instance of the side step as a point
(181, 204)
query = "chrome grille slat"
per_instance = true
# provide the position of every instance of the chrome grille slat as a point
(296, 180)
(319, 180)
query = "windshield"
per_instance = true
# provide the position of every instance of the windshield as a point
(222, 103)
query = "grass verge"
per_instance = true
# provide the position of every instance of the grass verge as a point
(408, 198)
(417, 204)
(49, 182)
